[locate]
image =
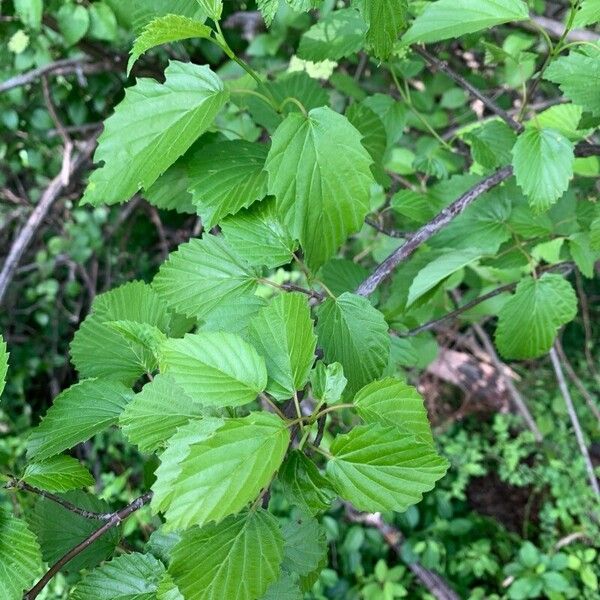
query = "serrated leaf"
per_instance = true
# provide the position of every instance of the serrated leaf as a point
(543, 165)
(237, 559)
(492, 143)
(268, 9)
(167, 590)
(162, 30)
(439, 269)
(77, 414)
(578, 77)
(215, 368)
(226, 177)
(224, 472)
(446, 19)
(328, 382)
(3, 364)
(170, 190)
(213, 8)
(305, 545)
(528, 322)
(588, 13)
(391, 401)
(583, 254)
(352, 332)
(377, 469)
(340, 33)
(203, 275)
(258, 235)
(141, 335)
(156, 413)
(151, 128)
(320, 175)
(127, 577)
(99, 350)
(137, 13)
(386, 19)
(59, 530)
(20, 557)
(58, 474)
(283, 334)
(234, 318)
(285, 588)
(303, 485)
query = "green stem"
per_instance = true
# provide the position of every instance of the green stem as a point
(293, 101)
(330, 409)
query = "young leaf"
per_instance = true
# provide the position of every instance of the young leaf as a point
(162, 30)
(151, 128)
(283, 334)
(320, 175)
(528, 322)
(20, 556)
(386, 19)
(3, 364)
(578, 77)
(226, 177)
(445, 19)
(543, 163)
(224, 472)
(215, 368)
(99, 350)
(239, 558)
(328, 382)
(377, 468)
(268, 9)
(154, 414)
(73, 21)
(340, 33)
(213, 8)
(203, 275)
(354, 334)
(303, 485)
(391, 401)
(77, 414)
(58, 474)
(258, 235)
(123, 578)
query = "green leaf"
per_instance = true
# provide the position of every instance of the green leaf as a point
(285, 588)
(170, 190)
(215, 368)
(99, 350)
(354, 334)
(320, 175)
(258, 235)
(543, 164)
(492, 143)
(103, 22)
(203, 275)
(224, 472)
(234, 318)
(268, 9)
(392, 402)
(20, 557)
(438, 270)
(328, 382)
(3, 364)
(213, 8)
(226, 177)
(137, 13)
(386, 19)
(77, 414)
(528, 322)
(305, 546)
(303, 485)
(73, 21)
(583, 254)
(340, 33)
(151, 128)
(238, 558)
(578, 77)
(59, 530)
(283, 334)
(127, 577)
(162, 30)
(377, 468)
(156, 413)
(58, 474)
(141, 335)
(30, 12)
(588, 14)
(446, 19)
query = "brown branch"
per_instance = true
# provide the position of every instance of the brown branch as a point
(87, 514)
(115, 520)
(393, 537)
(564, 390)
(50, 195)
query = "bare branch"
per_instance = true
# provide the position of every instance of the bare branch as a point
(556, 30)
(115, 520)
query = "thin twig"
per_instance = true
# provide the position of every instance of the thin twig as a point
(587, 327)
(115, 520)
(562, 384)
(556, 29)
(389, 232)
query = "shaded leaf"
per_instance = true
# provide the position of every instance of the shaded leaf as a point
(58, 474)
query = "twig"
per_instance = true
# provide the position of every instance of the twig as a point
(556, 30)
(389, 232)
(442, 65)
(516, 397)
(562, 384)
(87, 514)
(587, 327)
(115, 520)
(439, 588)
(50, 195)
